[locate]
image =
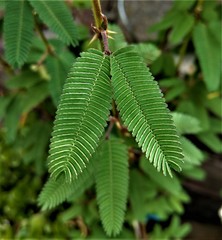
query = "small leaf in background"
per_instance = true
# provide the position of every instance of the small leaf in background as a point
(211, 140)
(58, 17)
(18, 31)
(170, 185)
(215, 106)
(58, 68)
(119, 40)
(169, 67)
(186, 124)
(207, 50)
(25, 79)
(34, 96)
(140, 192)
(148, 51)
(192, 154)
(183, 5)
(167, 22)
(181, 28)
(196, 110)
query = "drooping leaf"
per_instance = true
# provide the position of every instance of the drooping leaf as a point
(25, 79)
(81, 115)
(58, 17)
(18, 31)
(112, 184)
(186, 124)
(192, 154)
(183, 5)
(144, 111)
(211, 140)
(207, 49)
(148, 51)
(58, 68)
(171, 185)
(181, 28)
(141, 190)
(119, 39)
(34, 96)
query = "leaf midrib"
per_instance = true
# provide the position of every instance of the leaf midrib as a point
(21, 18)
(56, 19)
(84, 115)
(139, 107)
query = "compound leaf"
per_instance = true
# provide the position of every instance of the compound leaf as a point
(18, 31)
(57, 191)
(112, 184)
(81, 116)
(57, 16)
(144, 111)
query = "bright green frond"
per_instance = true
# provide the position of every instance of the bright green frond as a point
(112, 184)
(18, 31)
(81, 116)
(144, 111)
(58, 17)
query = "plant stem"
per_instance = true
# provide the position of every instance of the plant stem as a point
(100, 29)
(97, 11)
(49, 48)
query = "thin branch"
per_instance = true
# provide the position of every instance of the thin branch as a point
(97, 12)
(101, 28)
(49, 48)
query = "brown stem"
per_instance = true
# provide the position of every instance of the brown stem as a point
(101, 26)
(49, 48)
(111, 124)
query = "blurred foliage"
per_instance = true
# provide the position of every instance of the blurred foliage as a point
(185, 59)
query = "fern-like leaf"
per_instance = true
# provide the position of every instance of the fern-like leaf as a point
(57, 191)
(112, 184)
(82, 114)
(58, 17)
(18, 31)
(144, 111)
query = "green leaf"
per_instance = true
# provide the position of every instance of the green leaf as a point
(57, 191)
(192, 154)
(58, 17)
(208, 52)
(167, 22)
(18, 31)
(144, 111)
(175, 92)
(183, 5)
(112, 184)
(181, 28)
(214, 105)
(148, 51)
(186, 124)
(34, 96)
(141, 190)
(211, 140)
(58, 70)
(25, 79)
(170, 185)
(81, 116)
(119, 39)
